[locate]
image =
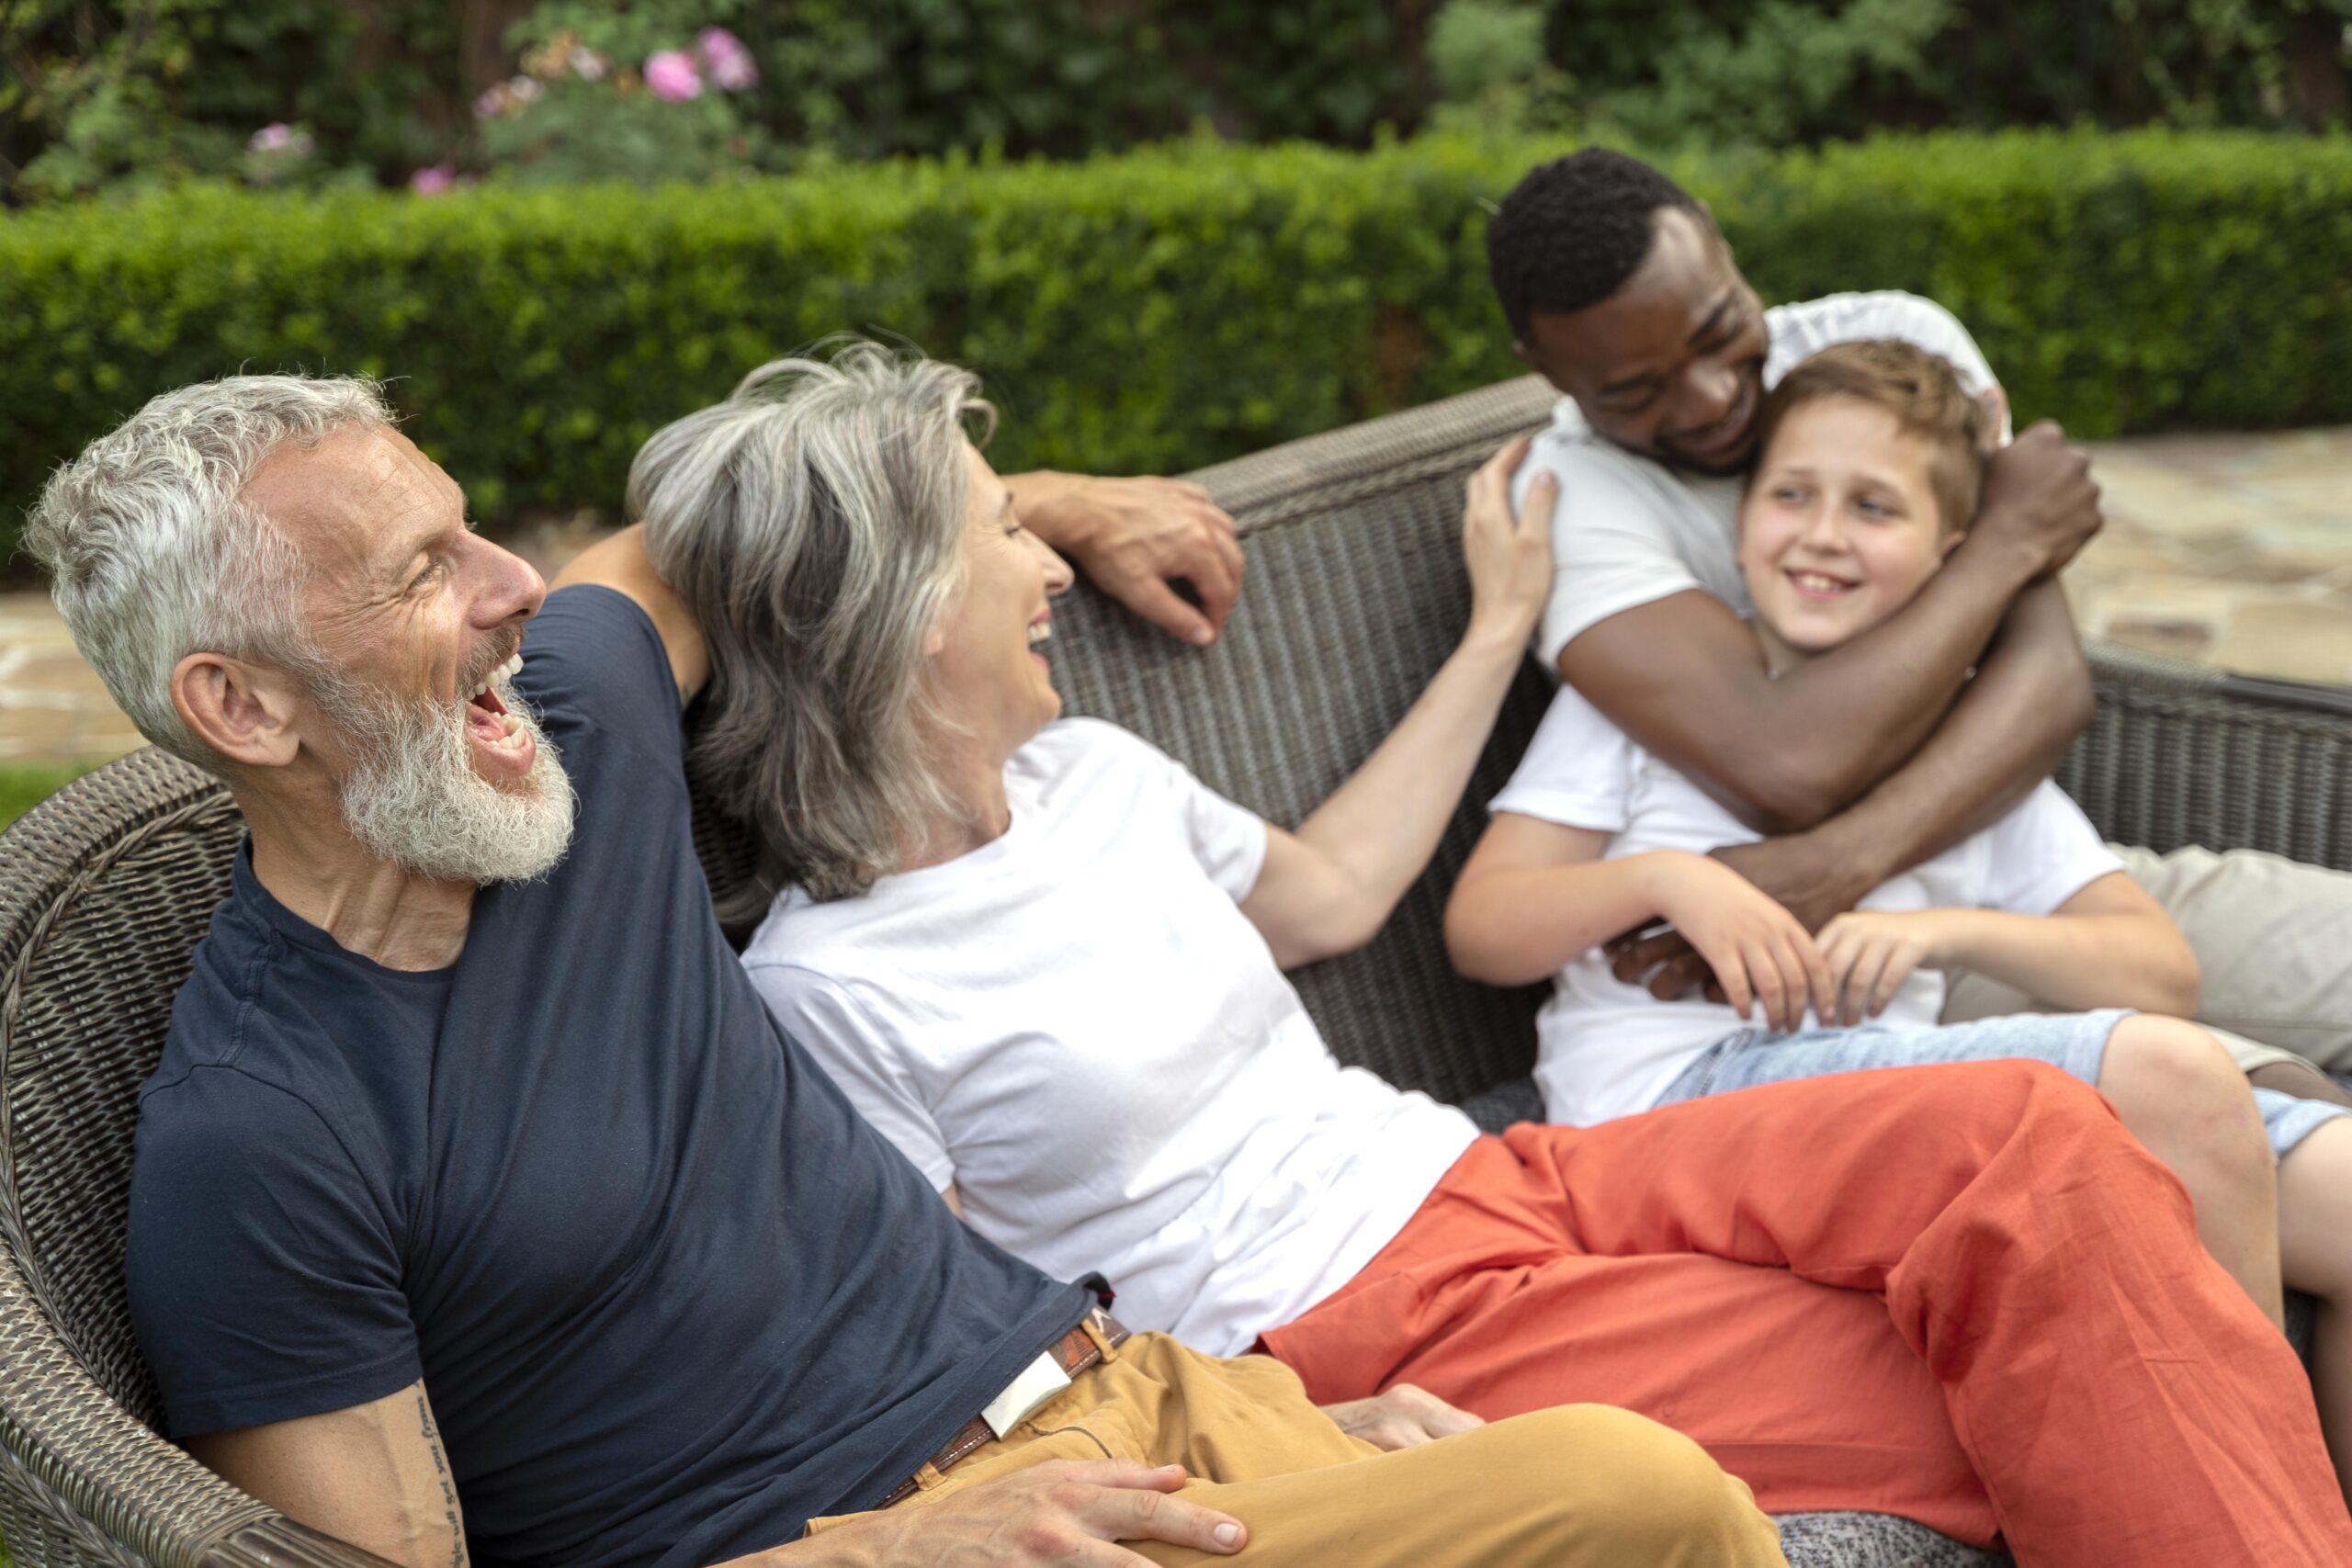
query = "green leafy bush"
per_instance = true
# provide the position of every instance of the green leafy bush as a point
(1153, 311)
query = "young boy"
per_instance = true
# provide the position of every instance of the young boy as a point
(1870, 459)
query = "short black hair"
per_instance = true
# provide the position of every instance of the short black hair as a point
(1571, 233)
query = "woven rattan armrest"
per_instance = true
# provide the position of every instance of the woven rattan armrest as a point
(104, 890)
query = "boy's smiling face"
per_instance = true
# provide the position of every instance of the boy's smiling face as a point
(1839, 527)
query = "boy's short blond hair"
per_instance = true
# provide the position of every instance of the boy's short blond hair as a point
(1920, 389)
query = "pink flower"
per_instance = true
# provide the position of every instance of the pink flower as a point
(731, 63)
(435, 180)
(271, 138)
(589, 65)
(492, 104)
(522, 90)
(672, 76)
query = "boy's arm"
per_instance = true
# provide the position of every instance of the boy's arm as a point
(1536, 895)
(2111, 945)
(2008, 731)
(1684, 678)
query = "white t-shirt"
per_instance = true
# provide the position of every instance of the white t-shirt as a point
(1629, 530)
(1078, 1027)
(1607, 1049)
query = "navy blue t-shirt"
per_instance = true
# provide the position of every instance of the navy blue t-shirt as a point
(669, 1296)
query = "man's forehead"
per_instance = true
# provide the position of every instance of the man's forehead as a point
(1680, 285)
(355, 494)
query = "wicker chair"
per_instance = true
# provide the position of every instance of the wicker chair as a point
(1355, 594)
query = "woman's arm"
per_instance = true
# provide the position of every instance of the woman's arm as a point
(1536, 895)
(2111, 945)
(1327, 888)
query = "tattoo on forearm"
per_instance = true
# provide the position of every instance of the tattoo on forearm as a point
(448, 1483)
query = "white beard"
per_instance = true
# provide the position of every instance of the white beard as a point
(413, 798)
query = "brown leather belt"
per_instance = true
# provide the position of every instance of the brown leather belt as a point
(1073, 1352)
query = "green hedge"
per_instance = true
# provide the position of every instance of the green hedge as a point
(1157, 310)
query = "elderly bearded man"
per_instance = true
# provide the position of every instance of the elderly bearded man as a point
(481, 1208)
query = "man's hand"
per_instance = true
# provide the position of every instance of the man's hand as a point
(1806, 874)
(1134, 538)
(1402, 1418)
(2039, 498)
(1064, 1513)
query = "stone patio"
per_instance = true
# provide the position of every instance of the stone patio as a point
(2233, 550)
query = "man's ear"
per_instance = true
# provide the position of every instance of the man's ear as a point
(245, 711)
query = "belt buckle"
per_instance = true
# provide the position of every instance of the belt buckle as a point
(1032, 1387)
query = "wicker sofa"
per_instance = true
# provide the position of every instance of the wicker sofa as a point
(1355, 594)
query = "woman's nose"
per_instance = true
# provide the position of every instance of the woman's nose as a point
(1059, 575)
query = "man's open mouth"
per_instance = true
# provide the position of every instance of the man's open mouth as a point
(487, 719)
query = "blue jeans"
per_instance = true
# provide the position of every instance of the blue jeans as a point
(2073, 1041)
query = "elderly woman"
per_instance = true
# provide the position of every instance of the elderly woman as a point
(1047, 963)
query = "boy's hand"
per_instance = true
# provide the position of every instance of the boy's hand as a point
(1761, 955)
(1870, 952)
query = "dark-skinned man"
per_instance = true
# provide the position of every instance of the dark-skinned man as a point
(1621, 292)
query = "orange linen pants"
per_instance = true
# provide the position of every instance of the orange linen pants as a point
(1963, 1294)
(1579, 1487)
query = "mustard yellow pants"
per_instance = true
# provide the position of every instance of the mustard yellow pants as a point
(1578, 1484)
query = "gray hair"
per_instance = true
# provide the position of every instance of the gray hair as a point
(814, 522)
(153, 555)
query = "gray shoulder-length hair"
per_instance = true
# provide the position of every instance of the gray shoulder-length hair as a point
(814, 524)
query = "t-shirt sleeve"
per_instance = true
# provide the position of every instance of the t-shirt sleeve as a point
(1228, 841)
(1612, 546)
(265, 1281)
(1579, 771)
(2041, 855)
(595, 668)
(859, 1054)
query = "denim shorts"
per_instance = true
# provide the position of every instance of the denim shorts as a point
(2075, 1042)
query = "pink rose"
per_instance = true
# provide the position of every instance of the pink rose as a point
(271, 138)
(435, 180)
(731, 63)
(492, 104)
(672, 76)
(589, 65)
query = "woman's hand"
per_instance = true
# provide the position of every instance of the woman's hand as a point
(1403, 1416)
(1761, 955)
(1871, 952)
(1509, 559)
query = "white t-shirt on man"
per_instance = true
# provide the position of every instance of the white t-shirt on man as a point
(1076, 1026)
(1629, 530)
(1607, 1049)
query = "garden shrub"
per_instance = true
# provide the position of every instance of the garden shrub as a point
(1153, 311)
